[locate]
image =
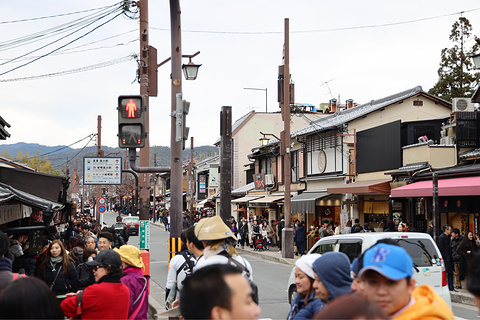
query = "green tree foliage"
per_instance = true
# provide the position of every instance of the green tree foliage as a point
(456, 76)
(40, 164)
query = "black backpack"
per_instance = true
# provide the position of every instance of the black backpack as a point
(118, 240)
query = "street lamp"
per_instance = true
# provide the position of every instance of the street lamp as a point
(264, 140)
(190, 70)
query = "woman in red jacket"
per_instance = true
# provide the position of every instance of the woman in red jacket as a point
(108, 298)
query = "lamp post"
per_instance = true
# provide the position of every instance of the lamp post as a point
(266, 95)
(264, 140)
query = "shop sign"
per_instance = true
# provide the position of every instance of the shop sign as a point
(12, 212)
(259, 179)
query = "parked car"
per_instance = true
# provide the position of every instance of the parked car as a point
(429, 265)
(132, 224)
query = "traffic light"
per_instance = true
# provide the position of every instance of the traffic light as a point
(131, 122)
(181, 132)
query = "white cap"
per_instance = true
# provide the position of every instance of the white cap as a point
(305, 263)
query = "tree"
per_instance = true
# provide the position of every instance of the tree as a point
(456, 76)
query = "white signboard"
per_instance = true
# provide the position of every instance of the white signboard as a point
(343, 221)
(98, 170)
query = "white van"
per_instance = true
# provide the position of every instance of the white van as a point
(429, 266)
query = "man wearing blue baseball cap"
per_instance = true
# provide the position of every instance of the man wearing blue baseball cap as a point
(387, 276)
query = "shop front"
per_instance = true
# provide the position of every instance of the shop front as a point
(458, 203)
(366, 200)
(266, 207)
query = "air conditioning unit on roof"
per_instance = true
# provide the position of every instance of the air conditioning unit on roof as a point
(462, 104)
(269, 180)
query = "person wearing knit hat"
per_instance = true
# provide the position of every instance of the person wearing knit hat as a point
(306, 303)
(332, 276)
(134, 280)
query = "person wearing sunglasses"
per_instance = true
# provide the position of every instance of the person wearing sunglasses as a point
(107, 271)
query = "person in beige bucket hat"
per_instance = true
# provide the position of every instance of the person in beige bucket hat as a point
(135, 281)
(219, 242)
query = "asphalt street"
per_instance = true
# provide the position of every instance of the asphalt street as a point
(270, 277)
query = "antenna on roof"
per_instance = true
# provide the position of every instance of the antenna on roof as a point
(325, 83)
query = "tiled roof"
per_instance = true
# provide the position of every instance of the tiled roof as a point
(348, 115)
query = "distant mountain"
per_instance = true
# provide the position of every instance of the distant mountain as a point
(58, 155)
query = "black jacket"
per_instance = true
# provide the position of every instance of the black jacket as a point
(445, 248)
(65, 282)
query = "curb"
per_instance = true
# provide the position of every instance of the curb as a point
(153, 307)
(463, 298)
(278, 259)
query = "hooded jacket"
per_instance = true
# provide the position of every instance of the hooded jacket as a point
(333, 270)
(300, 311)
(428, 305)
(134, 280)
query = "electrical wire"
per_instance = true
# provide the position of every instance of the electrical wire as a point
(27, 63)
(48, 33)
(58, 15)
(78, 70)
(91, 136)
(62, 164)
(325, 30)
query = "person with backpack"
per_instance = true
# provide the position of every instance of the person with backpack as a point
(357, 227)
(135, 281)
(180, 267)
(120, 233)
(219, 242)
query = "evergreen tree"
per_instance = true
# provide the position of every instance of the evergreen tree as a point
(456, 78)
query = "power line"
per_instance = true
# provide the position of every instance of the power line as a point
(91, 136)
(60, 165)
(25, 64)
(324, 30)
(72, 71)
(50, 32)
(59, 15)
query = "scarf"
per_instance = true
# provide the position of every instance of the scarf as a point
(54, 261)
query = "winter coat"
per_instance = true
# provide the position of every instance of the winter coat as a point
(465, 246)
(300, 311)
(446, 250)
(107, 299)
(428, 305)
(65, 282)
(137, 285)
(300, 235)
(455, 243)
(76, 254)
(6, 275)
(85, 276)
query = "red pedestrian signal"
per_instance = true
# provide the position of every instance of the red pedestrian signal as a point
(131, 122)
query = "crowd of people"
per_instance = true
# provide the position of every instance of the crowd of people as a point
(87, 272)
(83, 272)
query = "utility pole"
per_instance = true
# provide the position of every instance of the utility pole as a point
(144, 196)
(176, 176)
(191, 184)
(99, 154)
(287, 236)
(226, 163)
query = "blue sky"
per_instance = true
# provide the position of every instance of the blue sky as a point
(364, 50)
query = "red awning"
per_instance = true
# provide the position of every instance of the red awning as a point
(370, 186)
(446, 187)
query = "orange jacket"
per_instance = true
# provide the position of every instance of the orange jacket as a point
(428, 305)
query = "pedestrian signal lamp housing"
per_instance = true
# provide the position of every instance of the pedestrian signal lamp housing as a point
(131, 122)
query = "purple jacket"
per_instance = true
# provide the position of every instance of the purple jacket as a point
(134, 280)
